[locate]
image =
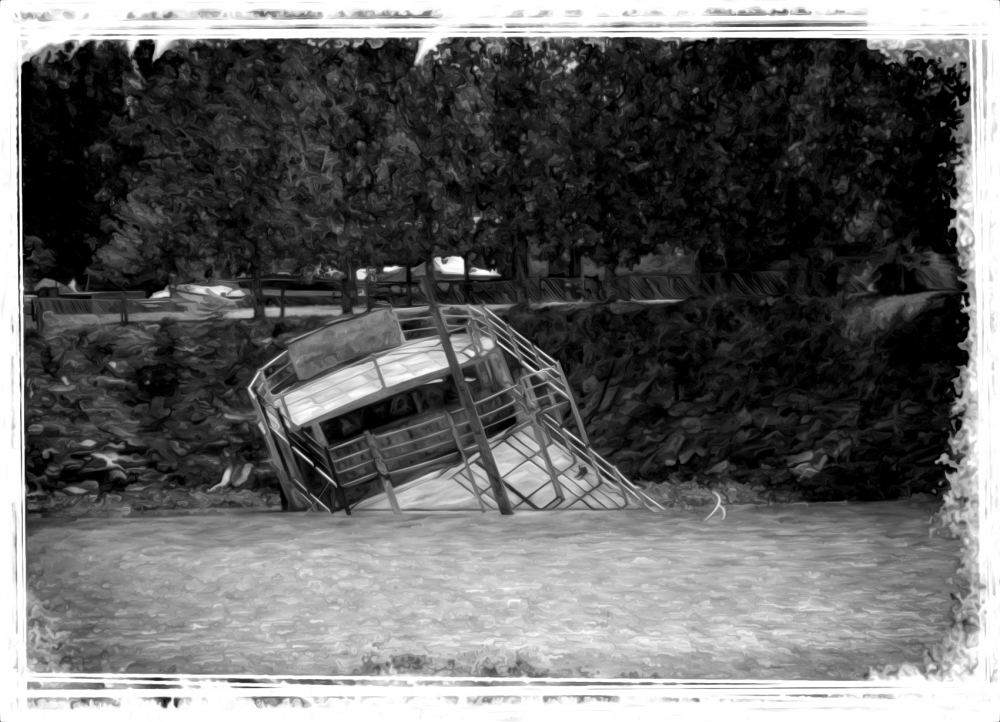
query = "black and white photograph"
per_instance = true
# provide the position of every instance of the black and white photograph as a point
(382, 350)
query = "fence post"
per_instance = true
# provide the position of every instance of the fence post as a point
(346, 297)
(368, 290)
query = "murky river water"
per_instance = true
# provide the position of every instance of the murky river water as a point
(815, 592)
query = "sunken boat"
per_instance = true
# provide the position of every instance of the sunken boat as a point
(429, 409)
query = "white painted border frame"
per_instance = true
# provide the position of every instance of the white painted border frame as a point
(27, 26)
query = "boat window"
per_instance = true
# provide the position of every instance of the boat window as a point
(432, 396)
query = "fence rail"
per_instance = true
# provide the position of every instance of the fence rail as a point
(398, 294)
(108, 306)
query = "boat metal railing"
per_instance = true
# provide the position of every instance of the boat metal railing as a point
(539, 399)
(608, 471)
(291, 449)
(416, 324)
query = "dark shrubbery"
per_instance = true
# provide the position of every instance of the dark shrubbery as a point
(160, 401)
(767, 387)
(759, 392)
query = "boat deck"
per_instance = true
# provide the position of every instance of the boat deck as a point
(524, 472)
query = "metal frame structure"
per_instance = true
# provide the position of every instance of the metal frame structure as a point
(523, 408)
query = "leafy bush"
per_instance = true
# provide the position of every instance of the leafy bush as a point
(788, 394)
(763, 391)
(117, 405)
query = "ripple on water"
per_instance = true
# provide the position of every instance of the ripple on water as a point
(668, 594)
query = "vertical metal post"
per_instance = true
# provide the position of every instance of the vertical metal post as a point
(541, 434)
(383, 472)
(338, 490)
(498, 363)
(585, 439)
(293, 464)
(265, 431)
(465, 394)
(265, 428)
(475, 335)
(550, 395)
(465, 458)
(579, 421)
(341, 494)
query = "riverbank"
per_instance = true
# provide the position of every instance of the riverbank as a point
(167, 498)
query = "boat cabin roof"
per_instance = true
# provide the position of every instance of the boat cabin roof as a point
(377, 376)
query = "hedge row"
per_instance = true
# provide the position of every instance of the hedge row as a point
(109, 406)
(838, 401)
(804, 394)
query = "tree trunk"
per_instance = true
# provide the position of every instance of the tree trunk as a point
(257, 293)
(124, 308)
(521, 272)
(368, 289)
(466, 295)
(346, 288)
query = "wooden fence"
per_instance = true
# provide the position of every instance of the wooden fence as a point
(326, 297)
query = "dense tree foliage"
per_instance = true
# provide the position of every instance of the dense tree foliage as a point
(249, 156)
(214, 159)
(69, 100)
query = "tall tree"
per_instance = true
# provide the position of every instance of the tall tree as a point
(307, 152)
(210, 195)
(447, 105)
(70, 99)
